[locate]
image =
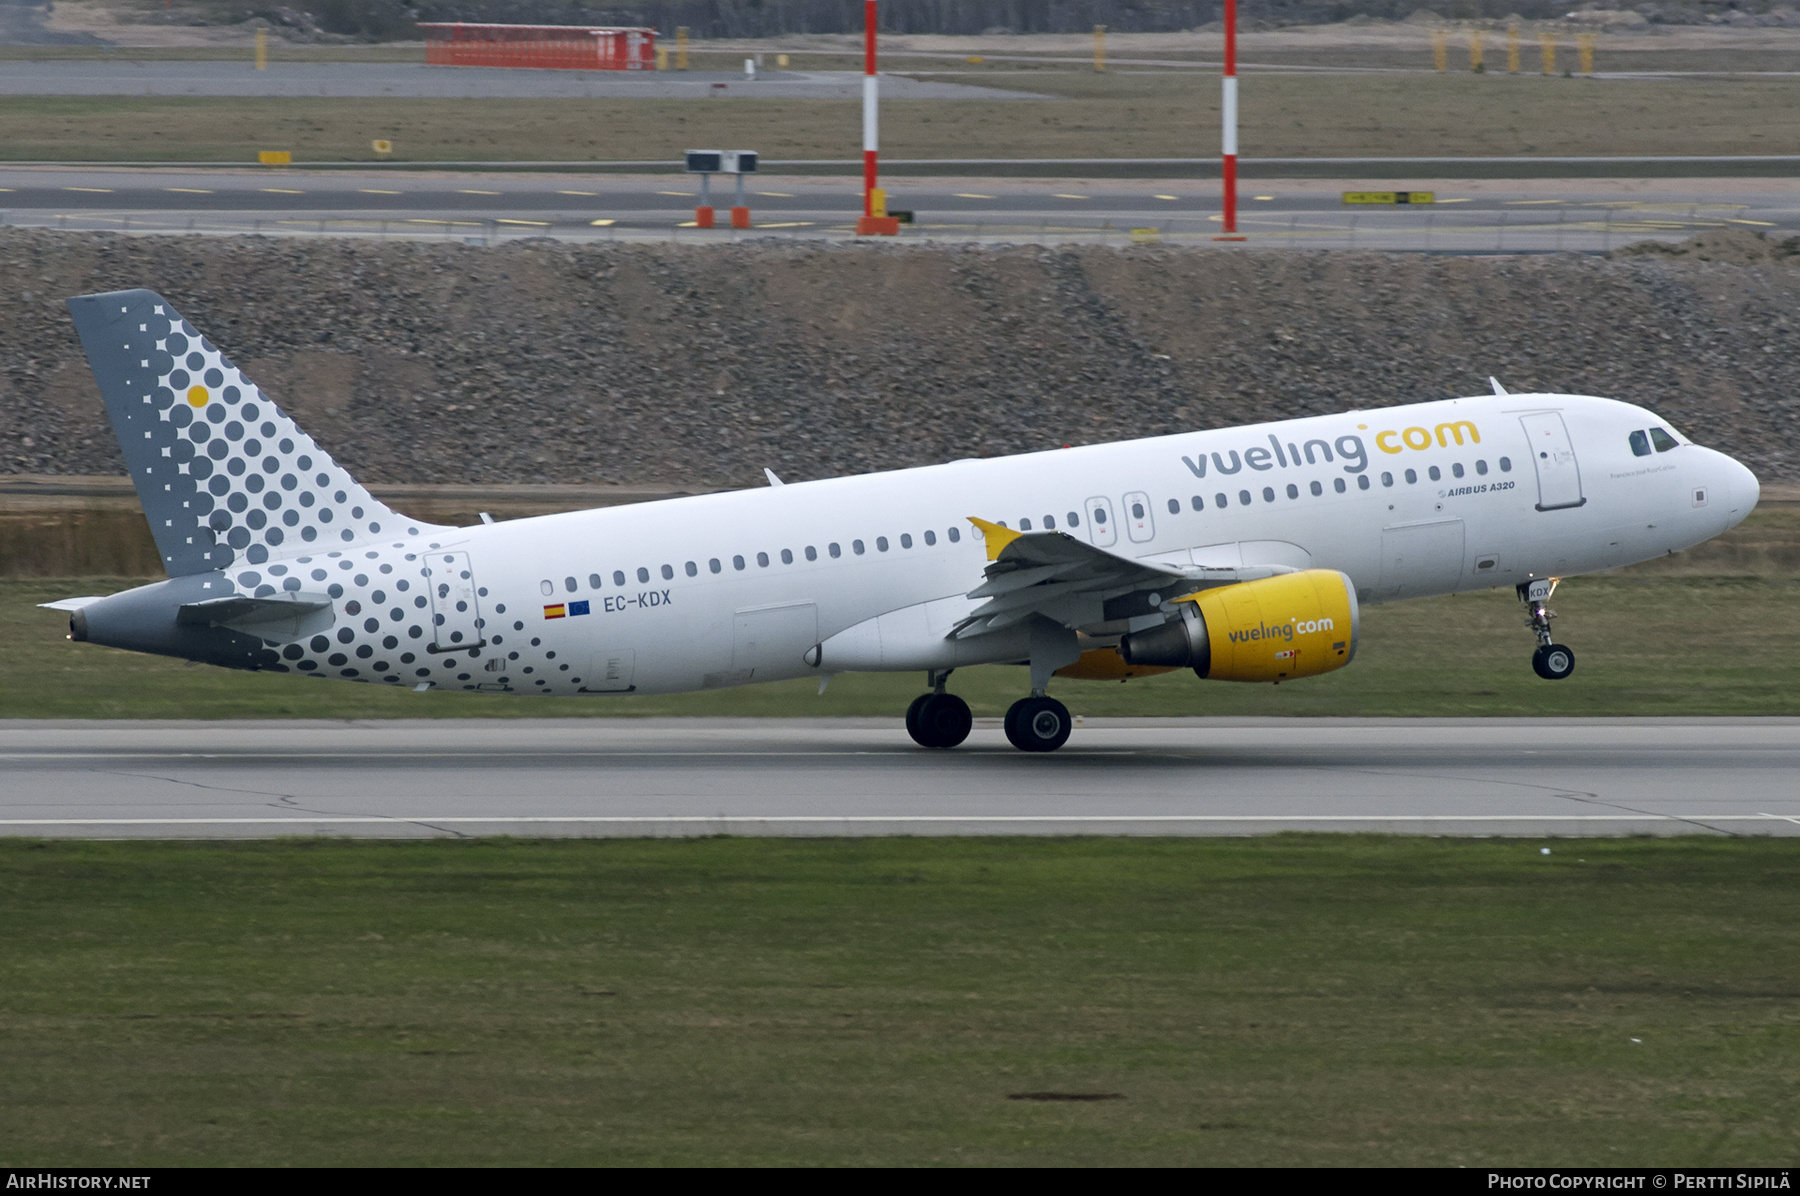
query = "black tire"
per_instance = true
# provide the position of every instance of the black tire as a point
(1553, 662)
(912, 718)
(1038, 724)
(943, 721)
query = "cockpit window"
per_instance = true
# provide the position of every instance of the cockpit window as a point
(1662, 440)
(1640, 444)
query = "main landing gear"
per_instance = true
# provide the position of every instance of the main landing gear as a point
(1039, 723)
(1551, 661)
(938, 719)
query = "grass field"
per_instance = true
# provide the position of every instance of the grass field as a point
(1114, 115)
(1648, 644)
(1292, 1000)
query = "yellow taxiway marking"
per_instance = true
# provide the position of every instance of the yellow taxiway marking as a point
(466, 191)
(688, 224)
(1263, 198)
(1174, 197)
(1442, 202)
(422, 220)
(95, 190)
(578, 193)
(1758, 223)
(602, 223)
(281, 191)
(971, 195)
(188, 190)
(5, 188)
(1524, 202)
(533, 223)
(684, 194)
(790, 224)
(1059, 196)
(775, 194)
(371, 191)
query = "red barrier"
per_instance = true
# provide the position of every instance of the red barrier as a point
(553, 47)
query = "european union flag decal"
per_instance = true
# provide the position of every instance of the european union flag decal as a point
(578, 608)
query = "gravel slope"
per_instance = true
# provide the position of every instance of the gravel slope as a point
(543, 362)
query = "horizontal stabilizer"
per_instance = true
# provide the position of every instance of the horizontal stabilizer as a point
(71, 604)
(279, 617)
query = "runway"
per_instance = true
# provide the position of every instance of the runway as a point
(1466, 216)
(833, 777)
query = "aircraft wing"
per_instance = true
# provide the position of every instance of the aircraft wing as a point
(1078, 585)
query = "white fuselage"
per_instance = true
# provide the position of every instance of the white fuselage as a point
(735, 587)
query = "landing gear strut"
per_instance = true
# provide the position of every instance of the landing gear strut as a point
(938, 719)
(1551, 661)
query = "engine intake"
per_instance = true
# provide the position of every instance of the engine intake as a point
(1278, 628)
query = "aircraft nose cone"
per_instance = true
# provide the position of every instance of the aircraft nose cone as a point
(1744, 489)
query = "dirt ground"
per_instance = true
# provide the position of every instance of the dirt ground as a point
(658, 364)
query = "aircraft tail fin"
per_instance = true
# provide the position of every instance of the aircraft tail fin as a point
(223, 474)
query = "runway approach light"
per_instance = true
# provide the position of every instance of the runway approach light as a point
(707, 163)
(382, 148)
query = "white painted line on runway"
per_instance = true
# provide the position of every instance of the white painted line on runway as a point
(928, 819)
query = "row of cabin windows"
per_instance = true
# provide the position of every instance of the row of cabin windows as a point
(739, 563)
(954, 535)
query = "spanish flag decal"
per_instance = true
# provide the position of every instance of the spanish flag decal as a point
(555, 612)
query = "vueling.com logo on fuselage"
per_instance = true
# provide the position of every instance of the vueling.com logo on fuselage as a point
(1419, 439)
(1280, 631)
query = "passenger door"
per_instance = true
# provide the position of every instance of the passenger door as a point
(1139, 522)
(1103, 530)
(455, 616)
(1558, 474)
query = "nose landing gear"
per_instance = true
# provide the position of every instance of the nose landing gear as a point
(938, 719)
(1551, 661)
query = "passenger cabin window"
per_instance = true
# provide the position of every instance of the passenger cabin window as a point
(930, 539)
(668, 573)
(737, 562)
(1662, 440)
(881, 543)
(1220, 501)
(1481, 468)
(1099, 514)
(1049, 523)
(762, 560)
(812, 554)
(1024, 525)
(593, 581)
(618, 577)
(834, 550)
(1316, 489)
(1137, 510)
(787, 556)
(1074, 519)
(1506, 465)
(1434, 473)
(1244, 497)
(714, 565)
(905, 539)
(1174, 506)
(1412, 477)
(1268, 494)
(1456, 470)
(643, 574)
(955, 535)
(856, 546)
(1387, 479)
(548, 586)
(1362, 481)
(569, 584)
(1198, 503)
(693, 570)
(1293, 490)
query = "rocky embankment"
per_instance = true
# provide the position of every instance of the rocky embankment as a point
(544, 362)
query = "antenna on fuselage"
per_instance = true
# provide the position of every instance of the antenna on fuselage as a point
(773, 480)
(1495, 383)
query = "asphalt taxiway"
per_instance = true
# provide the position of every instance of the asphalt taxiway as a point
(1466, 216)
(829, 777)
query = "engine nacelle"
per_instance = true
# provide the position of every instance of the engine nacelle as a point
(1276, 629)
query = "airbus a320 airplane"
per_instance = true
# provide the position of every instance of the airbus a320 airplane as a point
(1243, 554)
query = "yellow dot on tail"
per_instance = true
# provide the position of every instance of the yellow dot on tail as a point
(197, 396)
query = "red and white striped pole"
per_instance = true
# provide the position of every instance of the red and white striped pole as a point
(875, 219)
(1228, 120)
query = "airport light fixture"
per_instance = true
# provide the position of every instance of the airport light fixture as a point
(875, 220)
(1228, 125)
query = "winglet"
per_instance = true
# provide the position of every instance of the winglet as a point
(1495, 383)
(996, 536)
